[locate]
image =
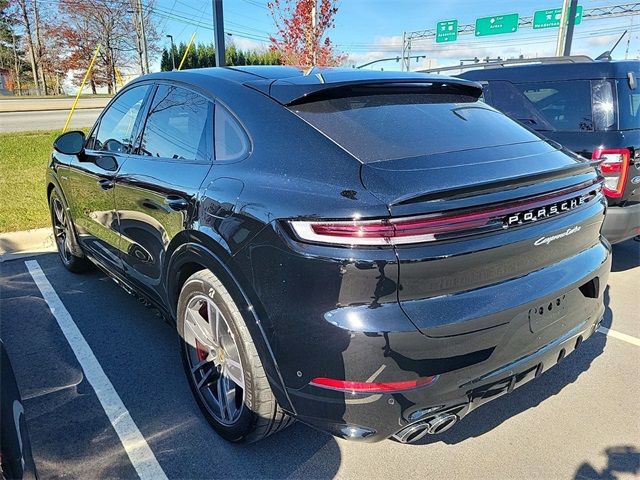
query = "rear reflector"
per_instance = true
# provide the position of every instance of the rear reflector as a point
(614, 164)
(371, 387)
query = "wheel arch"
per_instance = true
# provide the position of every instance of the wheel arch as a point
(193, 256)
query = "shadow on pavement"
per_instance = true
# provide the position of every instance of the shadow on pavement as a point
(530, 395)
(626, 255)
(139, 352)
(624, 459)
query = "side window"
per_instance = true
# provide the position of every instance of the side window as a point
(231, 142)
(115, 131)
(505, 97)
(565, 104)
(178, 126)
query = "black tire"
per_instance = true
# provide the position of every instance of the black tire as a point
(69, 251)
(261, 415)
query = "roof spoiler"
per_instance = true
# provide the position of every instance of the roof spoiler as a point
(290, 94)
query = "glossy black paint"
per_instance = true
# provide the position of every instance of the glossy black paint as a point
(623, 221)
(459, 309)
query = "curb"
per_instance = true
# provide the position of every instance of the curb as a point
(25, 243)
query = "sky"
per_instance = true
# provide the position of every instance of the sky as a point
(367, 30)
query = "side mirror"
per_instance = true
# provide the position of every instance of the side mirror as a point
(70, 143)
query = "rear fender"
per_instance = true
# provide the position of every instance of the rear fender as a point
(214, 258)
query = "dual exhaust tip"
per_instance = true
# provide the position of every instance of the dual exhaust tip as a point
(415, 431)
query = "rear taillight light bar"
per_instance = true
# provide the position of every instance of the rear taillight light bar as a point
(428, 228)
(614, 165)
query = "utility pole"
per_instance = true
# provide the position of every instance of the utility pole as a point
(173, 56)
(562, 29)
(145, 56)
(218, 33)
(573, 10)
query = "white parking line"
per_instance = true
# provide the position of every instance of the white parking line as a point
(620, 336)
(139, 452)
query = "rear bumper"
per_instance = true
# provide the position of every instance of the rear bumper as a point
(621, 223)
(477, 368)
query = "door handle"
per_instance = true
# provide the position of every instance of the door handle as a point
(176, 202)
(105, 184)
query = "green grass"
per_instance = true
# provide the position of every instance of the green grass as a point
(23, 162)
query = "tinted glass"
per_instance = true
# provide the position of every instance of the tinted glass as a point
(114, 134)
(231, 143)
(562, 106)
(629, 105)
(390, 126)
(178, 126)
(603, 104)
(507, 98)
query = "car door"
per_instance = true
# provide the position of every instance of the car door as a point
(156, 188)
(91, 176)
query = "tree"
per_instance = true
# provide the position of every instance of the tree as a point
(204, 55)
(301, 32)
(88, 23)
(25, 18)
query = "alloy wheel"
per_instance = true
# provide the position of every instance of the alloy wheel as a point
(61, 230)
(214, 359)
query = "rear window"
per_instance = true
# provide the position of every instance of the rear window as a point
(629, 105)
(563, 106)
(392, 126)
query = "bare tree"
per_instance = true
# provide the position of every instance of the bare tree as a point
(26, 24)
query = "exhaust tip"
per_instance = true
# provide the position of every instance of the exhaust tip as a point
(442, 423)
(436, 425)
(412, 433)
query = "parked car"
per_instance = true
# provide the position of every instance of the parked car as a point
(375, 254)
(590, 107)
(16, 459)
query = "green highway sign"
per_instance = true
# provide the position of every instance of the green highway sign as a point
(447, 31)
(551, 18)
(497, 24)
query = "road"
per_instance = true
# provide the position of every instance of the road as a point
(27, 104)
(46, 120)
(581, 419)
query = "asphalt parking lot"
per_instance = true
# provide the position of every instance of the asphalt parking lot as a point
(581, 419)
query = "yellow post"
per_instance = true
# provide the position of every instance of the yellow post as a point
(84, 80)
(119, 80)
(186, 52)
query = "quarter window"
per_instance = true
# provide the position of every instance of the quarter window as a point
(231, 142)
(115, 131)
(179, 125)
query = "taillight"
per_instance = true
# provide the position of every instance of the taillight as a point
(614, 165)
(371, 387)
(388, 231)
(444, 225)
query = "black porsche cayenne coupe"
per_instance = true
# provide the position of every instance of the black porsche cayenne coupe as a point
(375, 254)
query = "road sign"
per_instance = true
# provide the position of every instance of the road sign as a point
(551, 18)
(447, 31)
(497, 24)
